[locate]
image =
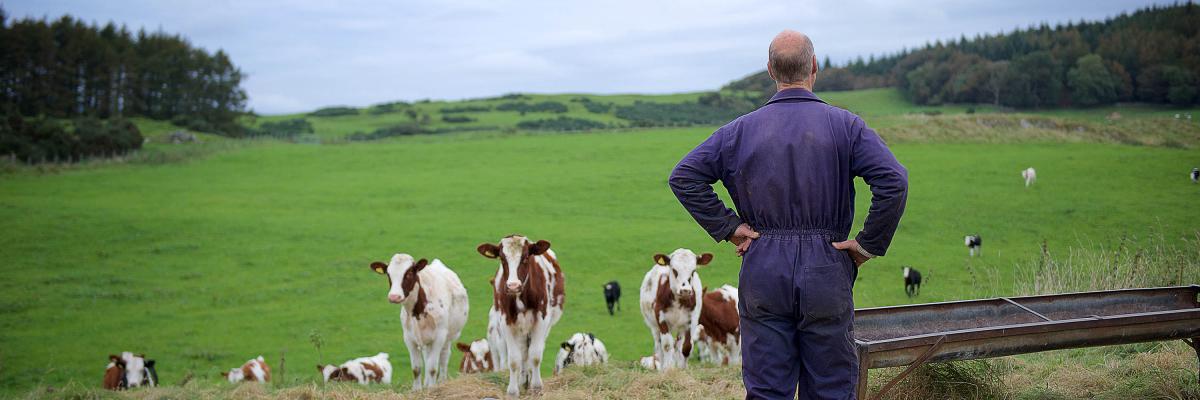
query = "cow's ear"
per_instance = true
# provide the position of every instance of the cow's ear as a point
(566, 346)
(704, 259)
(463, 347)
(142, 356)
(488, 250)
(320, 368)
(149, 363)
(662, 259)
(540, 247)
(225, 374)
(114, 357)
(420, 265)
(379, 267)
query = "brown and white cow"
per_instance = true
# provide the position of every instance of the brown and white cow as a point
(671, 301)
(528, 295)
(255, 370)
(433, 312)
(364, 370)
(114, 373)
(477, 357)
(718, 339)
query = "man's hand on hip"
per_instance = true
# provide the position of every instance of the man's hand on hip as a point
(741, 237)
(857, 253)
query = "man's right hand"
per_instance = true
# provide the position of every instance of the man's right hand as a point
(741, 237)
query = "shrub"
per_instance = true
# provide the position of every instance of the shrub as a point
(334, 112)
(523, 107)
(561, 124)
(284, 129)
(597, 107)
(385, 108)
(646, 114)
(465, 109)
(457, 119)
(389, 131)
(42, 139)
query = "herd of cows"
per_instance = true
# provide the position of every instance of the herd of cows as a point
(528, 294)
(528, 297)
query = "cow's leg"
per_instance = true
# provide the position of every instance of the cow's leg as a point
(537, 346)
(516, 359)
(444, 362)
(417, 361)
(669, 351)
(433, 355)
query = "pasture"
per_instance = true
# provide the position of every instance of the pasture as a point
(259, 249)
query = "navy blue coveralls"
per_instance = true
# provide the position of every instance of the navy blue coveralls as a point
(789, 167)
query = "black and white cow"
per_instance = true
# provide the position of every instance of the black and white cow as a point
(1195, 175)
(974, 244)
(912, 281)
(612, 295)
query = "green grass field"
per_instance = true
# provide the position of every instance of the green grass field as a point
(205, 263)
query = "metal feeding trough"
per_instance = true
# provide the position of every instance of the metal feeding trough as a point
(967, 330)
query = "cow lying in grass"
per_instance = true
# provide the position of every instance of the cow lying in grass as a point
(129, 370)
(580, 349)
(254, 370)
(477, 357)
(364, 370)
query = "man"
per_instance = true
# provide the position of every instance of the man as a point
(789, 167)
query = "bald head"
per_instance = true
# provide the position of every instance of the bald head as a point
(790, 59)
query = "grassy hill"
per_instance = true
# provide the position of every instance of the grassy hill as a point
(257, 247)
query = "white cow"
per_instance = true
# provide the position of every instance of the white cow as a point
(364, 370)
(434, 310)
(719, 338)
(670, 300)
(530, 295)
(580, 349)
(254, 370)
(1030, 176)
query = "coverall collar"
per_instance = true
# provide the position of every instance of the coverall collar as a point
(796, 94)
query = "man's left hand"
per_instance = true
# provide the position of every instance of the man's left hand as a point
(856, 252)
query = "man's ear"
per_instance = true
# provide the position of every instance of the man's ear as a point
(539, 248)
(662, 259)
(488, 250)
(704, 259)
(379, 267)
(816, 65)
(463, 347)
(421, 264)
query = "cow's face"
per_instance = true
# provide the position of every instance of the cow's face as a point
(476, 357)
(403, 280)
(513, 252)
(682, 264)
(135, 368)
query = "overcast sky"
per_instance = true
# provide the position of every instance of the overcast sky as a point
(300, 55)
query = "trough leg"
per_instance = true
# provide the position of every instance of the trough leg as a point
(864, 364)
(1195, 343)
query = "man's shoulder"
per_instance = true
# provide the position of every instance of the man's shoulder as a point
(772, 111)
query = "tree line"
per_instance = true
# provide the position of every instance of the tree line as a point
(66, 68)
(1151, 55)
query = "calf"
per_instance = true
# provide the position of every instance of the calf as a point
(974, 243)
(719, 341)
(912, 281)
(529, 293)
(612, 295)
(1030, 176)
(364, 370)
(256, 369)
(138, 370)
(114, 373)
(477, 357)
(581, 349)
(432, 313)
(1195, 175)
(671, 305)
(650, 363)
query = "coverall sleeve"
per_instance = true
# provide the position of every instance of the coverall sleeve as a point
(692, 181)
(874, 162)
